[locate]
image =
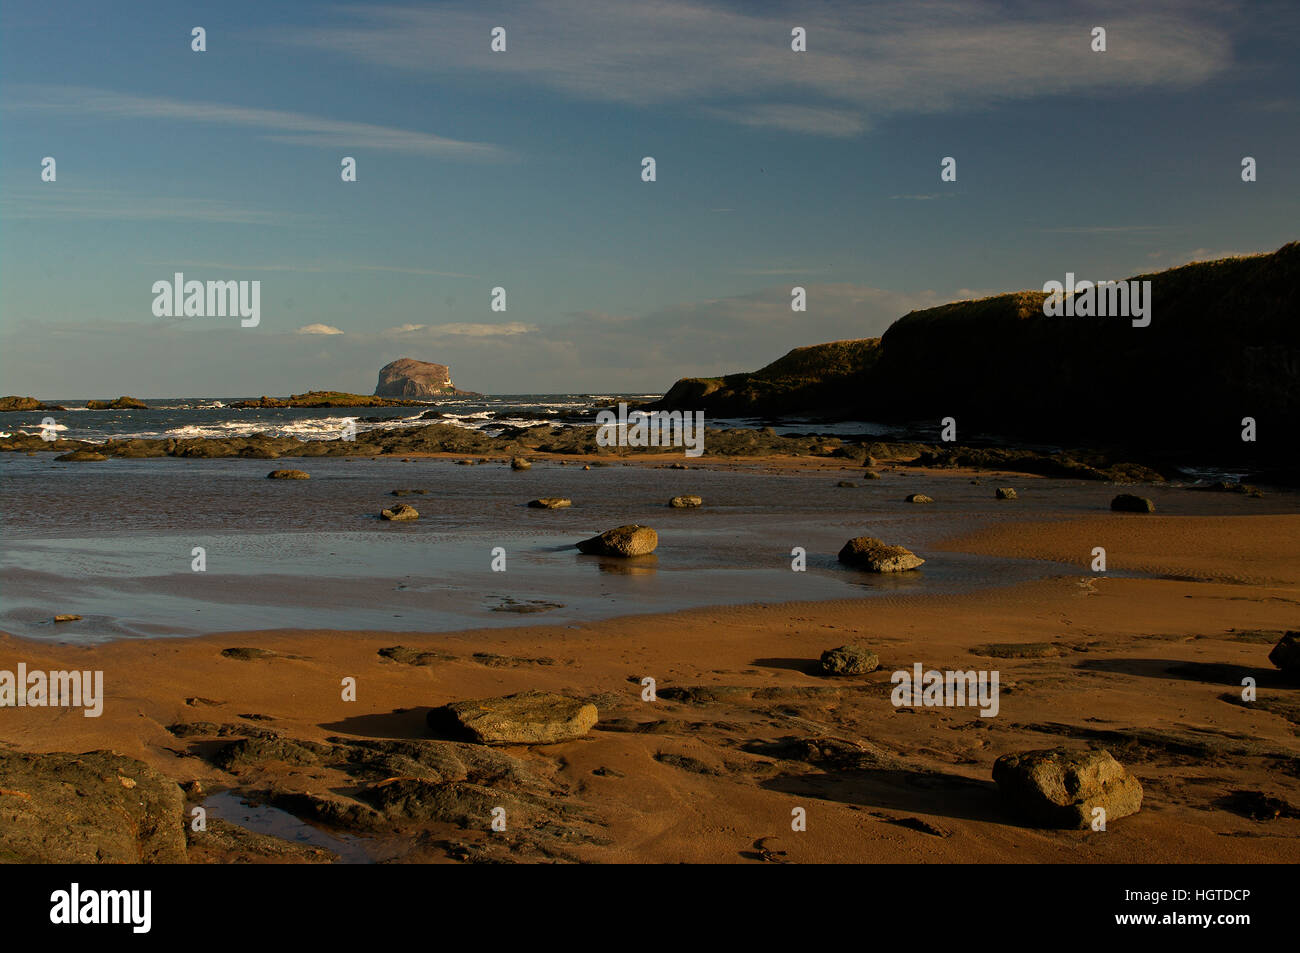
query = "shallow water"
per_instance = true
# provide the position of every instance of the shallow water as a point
(113, 542)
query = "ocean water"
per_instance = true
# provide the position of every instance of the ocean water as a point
(217, 417)
(114, 541)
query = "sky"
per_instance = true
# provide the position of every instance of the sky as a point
(522, 169)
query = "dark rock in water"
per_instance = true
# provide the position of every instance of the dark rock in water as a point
(1061, 788)
(847, 483)
(407, 377)
(92, 808)
(527, 718)
(1286, 654)
(686, 502)
(409, 492)
(67, 617)
(867, 552)
(119, 403)
(400, 512)
(630, 540)
(550, 503)
(81, 456)
(1005, 493)
(519, 463)
(870, 475)
(249, 654)
(1128, 503)
(918, 498)
(852, 659)
(25, 403)
(288, 475)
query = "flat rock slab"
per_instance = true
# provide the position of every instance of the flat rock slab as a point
(550, 503)
(93, 808)
(631, 540)
(528, 718)
(873, 555)
(1057, 787)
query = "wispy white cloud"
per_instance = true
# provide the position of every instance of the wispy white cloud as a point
(58, 201)
(318, 329)
(864, 62)
(276, 125)
(463, 330)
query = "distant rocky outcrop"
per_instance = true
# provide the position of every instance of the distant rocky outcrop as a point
(806, 379)
(326, 398)
(1222, 344)
(25, 403)
(407, 377)
(118, 403)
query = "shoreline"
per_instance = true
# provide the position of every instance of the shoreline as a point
(1140, 666)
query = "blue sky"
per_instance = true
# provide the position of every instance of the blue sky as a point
(521, 169)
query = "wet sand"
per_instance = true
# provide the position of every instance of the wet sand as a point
(1149, 668)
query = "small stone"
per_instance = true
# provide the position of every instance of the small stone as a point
(852, 659)
(918, 498)
(1286, 654)
(519, 463)
(1006, 493)
(685, 502)
(400, 512)
(1128, 503)
(550, 503)
(68, 617)
(288, 475)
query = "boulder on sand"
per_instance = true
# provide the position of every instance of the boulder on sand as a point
(685, 502)
(1286, 655)
(402, 511)
(630, 540)
(1057, 787)
(852, 659)
(869, 553)
(288, 475)
(550, 503)
(1128, 503)
(519, 463)
(527, 718)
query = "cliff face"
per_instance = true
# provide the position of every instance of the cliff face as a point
(811, 378)
(409, 378)
(1223, 344)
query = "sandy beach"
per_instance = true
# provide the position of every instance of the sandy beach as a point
(745, 729)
